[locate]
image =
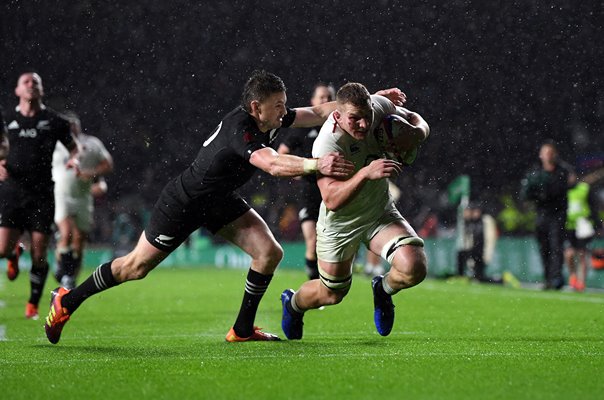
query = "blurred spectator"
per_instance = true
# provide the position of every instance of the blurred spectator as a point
(478, 243)
(547, 186)
(581, 224)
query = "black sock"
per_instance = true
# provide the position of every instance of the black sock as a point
(312, 269)
(68, 263)
(101, 279)
(255, 286)
(37, 278)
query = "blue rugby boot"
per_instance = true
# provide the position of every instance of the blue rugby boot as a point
(383, 309)
(291, 321)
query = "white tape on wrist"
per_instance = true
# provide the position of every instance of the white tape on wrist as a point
(310, 165)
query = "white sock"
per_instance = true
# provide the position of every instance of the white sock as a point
(295, 305)
(389, 290)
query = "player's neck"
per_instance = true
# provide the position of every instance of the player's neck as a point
(29, 108)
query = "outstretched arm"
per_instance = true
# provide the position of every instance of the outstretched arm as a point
(331, 164)
(307, 117)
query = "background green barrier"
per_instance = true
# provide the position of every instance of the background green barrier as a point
(520, 256)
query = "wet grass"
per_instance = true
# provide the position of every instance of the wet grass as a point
(163, 337)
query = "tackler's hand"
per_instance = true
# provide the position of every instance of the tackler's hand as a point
(395, 95)
(333, 164)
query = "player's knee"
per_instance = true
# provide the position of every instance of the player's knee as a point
(272, 256)
(412, 265)
(132, 268)
(334, 296)
(335, 288)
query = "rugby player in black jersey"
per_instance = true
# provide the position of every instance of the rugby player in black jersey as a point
(26, 187)
(299, 141)
(204, 195)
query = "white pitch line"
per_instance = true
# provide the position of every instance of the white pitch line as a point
(3, 333)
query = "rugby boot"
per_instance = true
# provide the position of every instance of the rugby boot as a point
(291, 321)
(12, 263)
(572, 281)
(57, 316)
(31, 311)
(383, 308)
(257, 336)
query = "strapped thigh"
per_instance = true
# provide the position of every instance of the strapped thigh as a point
(390, 247)
(335, 283)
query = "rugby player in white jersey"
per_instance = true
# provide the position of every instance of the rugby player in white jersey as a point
(74, 204)
(359, 210)
(205, 194)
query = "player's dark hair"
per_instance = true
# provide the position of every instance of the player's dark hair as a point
(29, 71)
(330, 88)
(353, 93)
(260, 86)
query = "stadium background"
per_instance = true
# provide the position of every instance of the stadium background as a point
(494, 79)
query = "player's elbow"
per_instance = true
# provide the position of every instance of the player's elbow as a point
(267, 162)
(420, 134)
(332, 204)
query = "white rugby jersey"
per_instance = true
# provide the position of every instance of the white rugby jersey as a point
(91, 153)
(371, 201)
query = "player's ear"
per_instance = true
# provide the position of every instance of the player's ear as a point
(255, 107)
(336, 114)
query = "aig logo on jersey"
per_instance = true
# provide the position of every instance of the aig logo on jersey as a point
(28, 133)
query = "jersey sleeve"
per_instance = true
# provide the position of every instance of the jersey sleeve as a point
(326, 141)
(100, 149)
(289, 118)
(246, 141)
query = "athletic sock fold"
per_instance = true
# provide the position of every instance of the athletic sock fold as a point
(100, 280)
(255, 287)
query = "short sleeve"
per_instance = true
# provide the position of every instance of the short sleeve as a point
(326, 141)
(289, 118)
(247, 141)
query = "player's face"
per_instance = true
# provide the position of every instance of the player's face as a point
(29, 87)
(356, 121)
(321, 95)
(271, 111)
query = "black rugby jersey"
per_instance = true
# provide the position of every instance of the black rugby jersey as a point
(222, 164)
(32, 141)
(300, 141)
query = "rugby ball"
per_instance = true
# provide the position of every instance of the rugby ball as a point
(394, 140)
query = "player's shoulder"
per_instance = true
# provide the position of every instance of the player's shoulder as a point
(330, 132)
(51, 113)
(238, 120)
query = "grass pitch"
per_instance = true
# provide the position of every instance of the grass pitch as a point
(163, 337)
